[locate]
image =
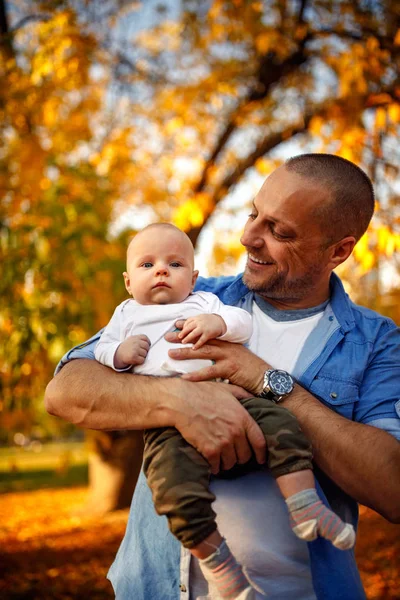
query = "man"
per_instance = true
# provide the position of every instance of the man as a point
(345, 360)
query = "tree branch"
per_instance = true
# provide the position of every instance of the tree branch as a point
(265, 145)
(28, 19)
(5, 36)
(270, 72)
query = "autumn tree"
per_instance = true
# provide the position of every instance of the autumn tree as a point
(105, 106)
(61, 274)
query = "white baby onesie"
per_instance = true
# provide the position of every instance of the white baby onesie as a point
(155, 320)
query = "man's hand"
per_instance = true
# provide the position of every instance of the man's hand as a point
(212, 420)
(198, 330)
(132, 351)
(231, 361)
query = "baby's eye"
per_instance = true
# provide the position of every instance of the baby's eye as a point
(175, 264)
(147, 265)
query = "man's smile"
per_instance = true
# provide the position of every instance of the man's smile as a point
(258, 260)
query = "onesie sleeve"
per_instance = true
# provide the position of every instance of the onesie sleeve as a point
(110, 340)
(238, 321)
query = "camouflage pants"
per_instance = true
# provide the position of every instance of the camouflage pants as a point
(179, 476)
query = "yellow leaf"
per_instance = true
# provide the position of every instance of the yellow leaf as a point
(263, 43)
(173, 125)
(380, 118)
(367, 261)
(315, 125)
(383, 238)
(393, 112)
(264, 166)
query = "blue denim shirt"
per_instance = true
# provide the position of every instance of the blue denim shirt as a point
(351, 363)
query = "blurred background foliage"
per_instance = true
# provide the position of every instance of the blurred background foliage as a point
(116, 113)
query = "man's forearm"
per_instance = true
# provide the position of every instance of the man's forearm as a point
(363, 460)
(207, 414)
(91, 395)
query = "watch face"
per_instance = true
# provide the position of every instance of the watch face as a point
(280, 383)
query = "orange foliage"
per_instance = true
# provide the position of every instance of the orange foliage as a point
(51, 551)
(88, 126)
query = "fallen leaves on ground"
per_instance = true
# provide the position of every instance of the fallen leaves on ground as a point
(51, 550)
(378, 556)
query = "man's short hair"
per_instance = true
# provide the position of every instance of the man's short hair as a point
(352, 194)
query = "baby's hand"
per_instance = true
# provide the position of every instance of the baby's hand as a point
(198, 330)
(132, 351)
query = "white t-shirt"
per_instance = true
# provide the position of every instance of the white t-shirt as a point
(251, 512)
(279, 343)
(155, 320)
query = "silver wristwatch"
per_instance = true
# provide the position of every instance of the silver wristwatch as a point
(277, 385)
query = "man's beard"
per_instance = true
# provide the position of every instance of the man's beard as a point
(279, 287)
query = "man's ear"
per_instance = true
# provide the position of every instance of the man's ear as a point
(342, 250)
(127, 282)
(194, 278)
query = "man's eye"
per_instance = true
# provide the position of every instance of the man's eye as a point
(147, 265)
(175, 264)
(252, 216)
(280, 236)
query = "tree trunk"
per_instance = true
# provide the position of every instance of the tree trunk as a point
(115, 460)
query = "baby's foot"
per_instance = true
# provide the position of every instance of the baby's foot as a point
(309, 517)
(225, 575)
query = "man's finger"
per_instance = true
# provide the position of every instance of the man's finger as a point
(173, 336)
(214, 465)
(243, 451)
(207, 352)
(239, 392)
(256, 440)
(228, 458)
(203, 375)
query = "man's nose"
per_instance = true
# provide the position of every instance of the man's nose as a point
(251, 238)
(162, 271)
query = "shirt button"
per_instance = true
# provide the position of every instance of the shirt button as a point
(333, 395)
(182, 587)
(331, 318)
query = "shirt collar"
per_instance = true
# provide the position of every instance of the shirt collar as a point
(340, 302)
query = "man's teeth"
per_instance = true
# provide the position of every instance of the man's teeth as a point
(257, 260)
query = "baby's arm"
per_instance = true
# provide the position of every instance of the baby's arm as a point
(223, 322)
(117, 353)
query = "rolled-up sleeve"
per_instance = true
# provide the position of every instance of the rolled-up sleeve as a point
(85, 350)
(379, 402)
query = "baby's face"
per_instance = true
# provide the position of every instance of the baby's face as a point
(160, 267)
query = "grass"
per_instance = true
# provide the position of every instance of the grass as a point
(53, 465)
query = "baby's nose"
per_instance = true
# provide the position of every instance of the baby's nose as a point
(162, 271)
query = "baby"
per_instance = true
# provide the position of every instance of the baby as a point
(161, 277)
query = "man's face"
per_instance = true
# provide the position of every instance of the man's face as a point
(160, 267)
(287, 261)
